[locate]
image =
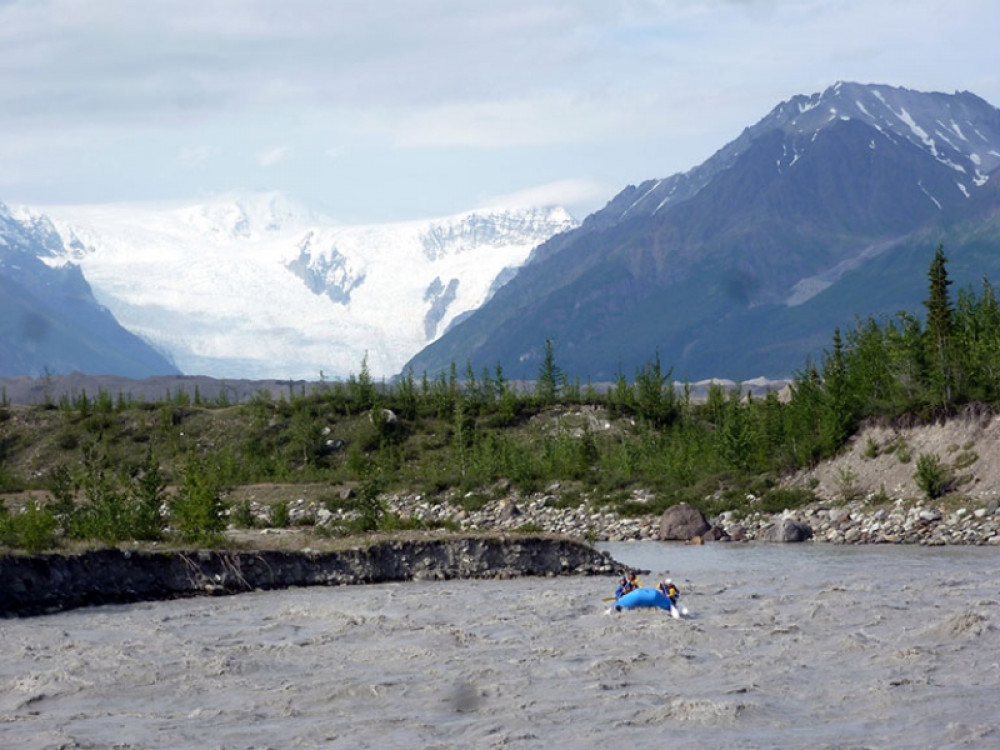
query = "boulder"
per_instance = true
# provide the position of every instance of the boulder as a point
(682, 522)
(786, 530)
(716, 534)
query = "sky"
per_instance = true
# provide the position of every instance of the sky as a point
(403, 109)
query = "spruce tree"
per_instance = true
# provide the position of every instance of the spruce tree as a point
(550, 377)
(940, 319)
(838, 417)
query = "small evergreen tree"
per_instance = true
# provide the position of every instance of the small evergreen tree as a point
(366, 386)
(196, 509)
(940, 315)
(838, 417)
(551, 378)
(148, 495)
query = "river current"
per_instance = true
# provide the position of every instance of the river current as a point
(786, 646)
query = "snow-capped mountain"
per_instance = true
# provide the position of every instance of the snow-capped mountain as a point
(253, 286)
(49, 319)
(826, 210)
(959, 130)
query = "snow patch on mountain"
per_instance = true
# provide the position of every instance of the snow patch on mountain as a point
(959, 130)
(254, 286)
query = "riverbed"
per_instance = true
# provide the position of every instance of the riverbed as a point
(786, 646)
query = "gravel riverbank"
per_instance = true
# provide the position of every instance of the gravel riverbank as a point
(861, 521)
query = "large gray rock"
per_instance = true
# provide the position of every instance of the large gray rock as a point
(682, 522)
(716, 534)
(786, 530)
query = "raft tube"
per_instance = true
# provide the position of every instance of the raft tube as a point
(643, 598)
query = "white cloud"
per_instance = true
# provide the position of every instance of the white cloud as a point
(544, 119)
(560, 193)
(273, 156)
(191, 156)
(612, 92)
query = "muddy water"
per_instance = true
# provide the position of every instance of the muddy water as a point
(787, 646)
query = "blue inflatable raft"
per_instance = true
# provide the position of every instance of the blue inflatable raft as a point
(643, 598)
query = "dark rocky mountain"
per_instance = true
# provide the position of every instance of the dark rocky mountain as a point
(49, 319)
(827, 209)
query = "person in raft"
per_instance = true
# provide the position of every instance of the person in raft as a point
(622, 588)
(669, 590)
(626, 584)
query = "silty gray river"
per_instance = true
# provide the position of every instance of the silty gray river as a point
(787, 646)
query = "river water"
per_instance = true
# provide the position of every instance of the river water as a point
(786, 646)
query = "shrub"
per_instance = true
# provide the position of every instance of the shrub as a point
(6, 530)
(108, 517)
(932, 476)
(783, 498)
(566, 499)
(68, 440)
(370, 505)
(871, 448)
(281, 518)
(241, 516)
(334, 501)
(847, 484)
(903, 451)
(8, 482)
(196, 509)
(33, 529)
(146, 496)
(881, 497)
(472, 501)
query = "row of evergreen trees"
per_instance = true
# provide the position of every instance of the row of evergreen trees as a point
(906, 365)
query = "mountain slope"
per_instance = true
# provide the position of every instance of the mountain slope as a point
(50, 321)
(743, 266)
(252, 286)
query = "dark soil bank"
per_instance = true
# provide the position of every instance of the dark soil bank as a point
(41, 584)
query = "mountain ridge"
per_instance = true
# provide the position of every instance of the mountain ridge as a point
(738, 268)
(690, 266)
(49, 318)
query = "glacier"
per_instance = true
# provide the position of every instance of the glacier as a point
(255, 286)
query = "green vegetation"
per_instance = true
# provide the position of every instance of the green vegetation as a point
(933, 477)
(115, 469)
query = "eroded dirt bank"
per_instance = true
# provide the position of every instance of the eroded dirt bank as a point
(40, 584)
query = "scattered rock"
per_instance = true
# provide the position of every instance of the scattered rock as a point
(508, 510)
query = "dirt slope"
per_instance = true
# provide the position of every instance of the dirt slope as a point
(884, 459)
